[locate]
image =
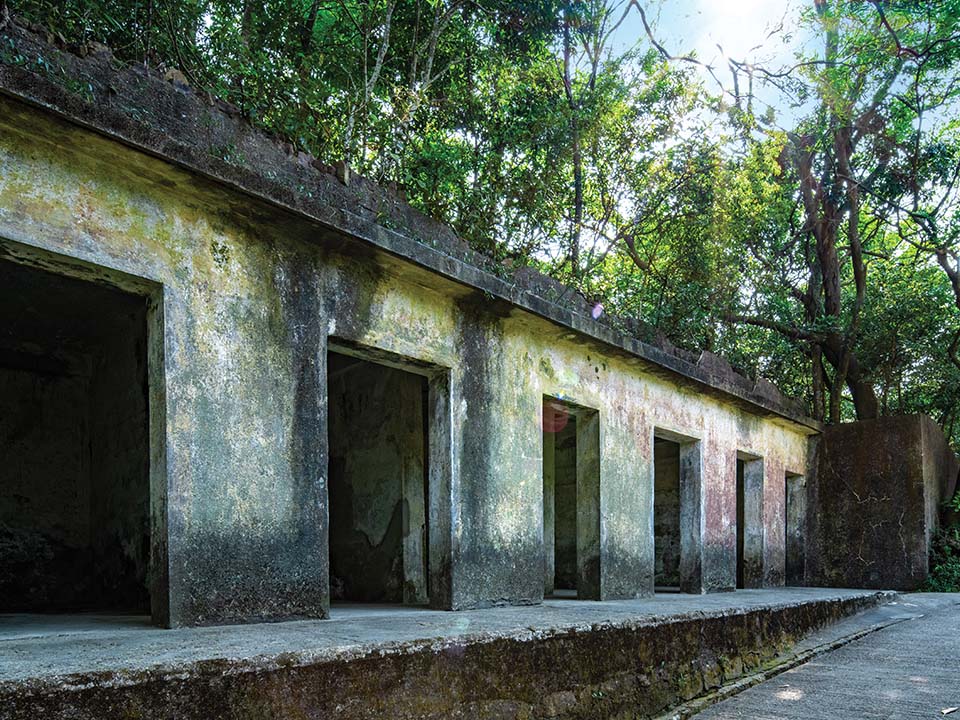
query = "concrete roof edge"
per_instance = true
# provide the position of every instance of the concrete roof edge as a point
(709, 373)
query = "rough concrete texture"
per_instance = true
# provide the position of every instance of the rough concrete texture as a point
(692, 485)
(244, 298)
(905, 669)
(74, 464)
(549, 468)
(878, 490)
(751, 528)
(249, 299)
(565, 660)
(564, 473)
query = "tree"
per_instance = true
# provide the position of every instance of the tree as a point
(834, 160)
(801, 247)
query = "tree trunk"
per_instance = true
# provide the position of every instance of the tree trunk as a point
(576, 150)
(577, 200)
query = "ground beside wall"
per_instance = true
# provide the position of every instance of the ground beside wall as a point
(878, 493)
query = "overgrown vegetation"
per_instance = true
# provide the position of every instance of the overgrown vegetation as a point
(944, 561)
(801, 220)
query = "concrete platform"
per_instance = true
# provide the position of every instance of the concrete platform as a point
(565, 658)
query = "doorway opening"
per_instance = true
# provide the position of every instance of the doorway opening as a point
(378, 489)
(677, 513)
(749, 521)
(74, 446)
(666, 514)
(571, 500)
(794, 528)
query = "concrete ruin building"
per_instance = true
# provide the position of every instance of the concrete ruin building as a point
(237, 385)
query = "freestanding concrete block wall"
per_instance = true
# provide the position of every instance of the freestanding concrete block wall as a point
(878, 491)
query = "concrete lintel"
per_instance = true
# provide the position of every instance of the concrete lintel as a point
(679, 436)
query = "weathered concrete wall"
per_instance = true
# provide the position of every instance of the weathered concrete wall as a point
(752, 525)
(877, 492)
(250, 296)
(796, 529)
(631, 404)
(691, 516)
(940, 472)
(565, 506)
(549, 466)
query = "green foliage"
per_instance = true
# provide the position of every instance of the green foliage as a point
(402, 89)
(621, 173)
(905, 339)
(944, 561)
(954, 503)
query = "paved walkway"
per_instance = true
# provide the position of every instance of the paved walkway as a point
(910, 669)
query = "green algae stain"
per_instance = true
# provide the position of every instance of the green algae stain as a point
(547, 369)
(220, 253)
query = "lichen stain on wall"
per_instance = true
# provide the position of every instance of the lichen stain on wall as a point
(88, 206)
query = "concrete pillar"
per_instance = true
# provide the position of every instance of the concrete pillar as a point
(159, 480)
(719, 462)
(774, 521)
(588, 505)
(413, 493)
(751, 515)
(442, 464)
(627, 495)
(691, 517)
(549, 510)
(796, 518)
